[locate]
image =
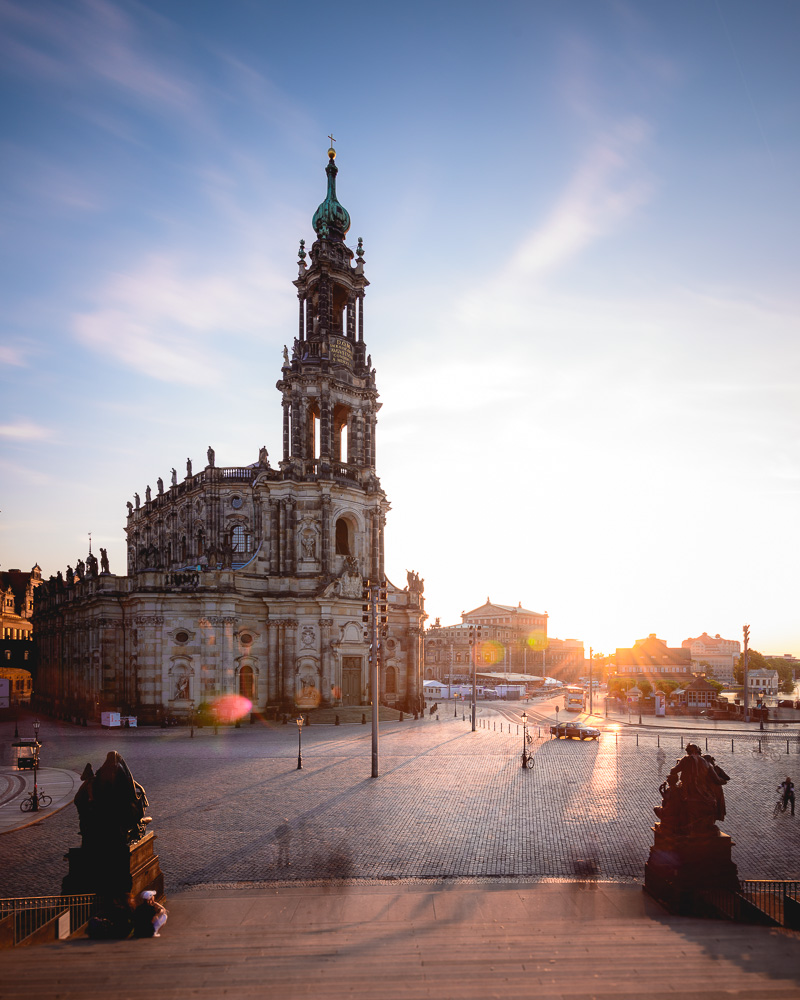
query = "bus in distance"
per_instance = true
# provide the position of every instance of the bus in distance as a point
(574, 699)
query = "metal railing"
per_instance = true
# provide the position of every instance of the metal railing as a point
(780, 742)
(778, 899)
(30, 913)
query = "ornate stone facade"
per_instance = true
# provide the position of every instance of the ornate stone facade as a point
(249, 580)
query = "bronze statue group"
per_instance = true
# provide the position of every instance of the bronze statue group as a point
(111, 813)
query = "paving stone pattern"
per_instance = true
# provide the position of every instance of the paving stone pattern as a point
(233, 808)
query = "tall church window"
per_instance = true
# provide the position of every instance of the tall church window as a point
(391, 681)
(343, 547)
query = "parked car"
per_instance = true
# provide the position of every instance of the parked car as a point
(574, 730)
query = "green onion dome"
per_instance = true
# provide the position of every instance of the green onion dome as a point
(331, 220)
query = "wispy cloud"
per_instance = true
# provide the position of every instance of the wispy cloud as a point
(24, 430)
(603, 192)
(87, 41)
(606, 188)
(12, 356)
(175, 325)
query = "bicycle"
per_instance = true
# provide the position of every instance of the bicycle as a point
(43, 801)
(527, 756)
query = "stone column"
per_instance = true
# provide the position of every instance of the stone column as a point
(361, 317)
(281, 537)
(297, 450)
(413, 686)
(326, 535)
(273, 694)
(286, 429)
(325, 427)
(301, 329)
(273, 537)
(289, 656)
(291, 541)
(325, 625)
(368, 441)
(351, 317)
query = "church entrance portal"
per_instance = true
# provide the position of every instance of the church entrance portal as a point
(351, 680)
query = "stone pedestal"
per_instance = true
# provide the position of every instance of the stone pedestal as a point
(95, 872)
(681, 868)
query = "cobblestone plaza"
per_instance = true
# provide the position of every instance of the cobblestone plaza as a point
(232, 808)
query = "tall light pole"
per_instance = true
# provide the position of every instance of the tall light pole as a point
(474, 639)
(35, 803)
(591, 687)
(299, 721)
(375, 614)
(746, 631)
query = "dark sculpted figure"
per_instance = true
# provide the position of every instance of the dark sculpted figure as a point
(111, 813)
(692, 796)
(104, 568)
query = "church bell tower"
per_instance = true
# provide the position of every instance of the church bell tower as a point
(330, 402)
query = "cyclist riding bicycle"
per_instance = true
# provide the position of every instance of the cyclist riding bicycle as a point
(786, 788)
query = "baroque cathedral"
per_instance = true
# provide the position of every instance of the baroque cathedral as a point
(250, 581)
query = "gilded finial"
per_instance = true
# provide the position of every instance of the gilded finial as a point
(301, 253)
(332, 151)
(360, 249)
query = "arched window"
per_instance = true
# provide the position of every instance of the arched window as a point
(343, 547)
(247, 683)
(391, 681)
(240, 539)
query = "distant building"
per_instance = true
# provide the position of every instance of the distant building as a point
(513, 639)
(16, 609)
(762, 682)
(719, 654)
(652, 660)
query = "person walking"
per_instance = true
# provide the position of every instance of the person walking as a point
(786, 788)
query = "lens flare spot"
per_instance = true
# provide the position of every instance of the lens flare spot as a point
(230, 707)
(537, 640)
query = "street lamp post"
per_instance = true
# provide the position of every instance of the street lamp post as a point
(527, 757)
(191, 719)
(35, 803)
(299, 721)
(455, 705)
(474, 639)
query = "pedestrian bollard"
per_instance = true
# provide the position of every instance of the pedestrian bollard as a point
(658, 740)
(308, 720)
(681, 743)
(759, 746)
(706, 744)
(363, 719)
(787, 746)
(437, 716)
(731, 746)
(637, 739)
(336, 720)
(401, 717)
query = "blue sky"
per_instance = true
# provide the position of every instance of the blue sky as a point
(580, 222)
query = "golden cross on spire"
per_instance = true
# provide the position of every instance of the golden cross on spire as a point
(332, 140)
